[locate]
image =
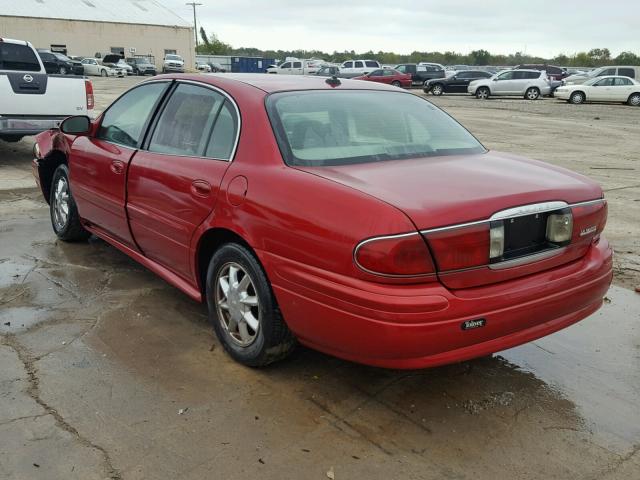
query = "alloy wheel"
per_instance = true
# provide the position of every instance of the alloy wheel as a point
(437, 90)
(533, 94)
(237, 304)
(634, 99)
(61, 204)
(482, 93)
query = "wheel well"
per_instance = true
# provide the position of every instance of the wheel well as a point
(578, 91)
(210, 241)
(47, 166)
(631, 95)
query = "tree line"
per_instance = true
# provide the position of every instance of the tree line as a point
(212, 45)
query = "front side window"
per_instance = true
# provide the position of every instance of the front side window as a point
(347, 65)
(18, 57)
(123, 123)
(359, 64)
(322, 128)
(605, 82)
(376, 73)
(506, 75)
(286, 65)
(297, 64)
(390, 73)
(402, 69)
(186, 122)
(607, 71)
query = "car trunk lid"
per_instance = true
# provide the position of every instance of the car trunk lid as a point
(442, 192)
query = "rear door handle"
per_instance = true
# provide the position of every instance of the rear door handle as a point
(200, 188)
(117, 167)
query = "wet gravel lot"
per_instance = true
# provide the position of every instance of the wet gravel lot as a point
(108, 372)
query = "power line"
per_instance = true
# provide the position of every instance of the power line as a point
(195, 23)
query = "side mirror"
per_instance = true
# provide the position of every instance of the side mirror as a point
(76, 125)
(495, 79)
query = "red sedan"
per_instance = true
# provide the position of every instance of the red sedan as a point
(357, 219)
(388, 76)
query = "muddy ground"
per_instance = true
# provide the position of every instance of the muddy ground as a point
(108, 372)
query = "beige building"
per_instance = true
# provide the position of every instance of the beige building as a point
(87, 27)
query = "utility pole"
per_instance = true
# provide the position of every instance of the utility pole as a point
(195, 24)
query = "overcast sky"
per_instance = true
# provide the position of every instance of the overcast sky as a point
(543, 28)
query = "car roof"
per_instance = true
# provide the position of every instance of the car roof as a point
(281, 83)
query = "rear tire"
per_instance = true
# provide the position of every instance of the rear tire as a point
(103, 73)
(483, 93)
(532, 93)
(577, 98)
(395, 83)
(243, 309)
(634, 100)
(63, 71)
(62, 208)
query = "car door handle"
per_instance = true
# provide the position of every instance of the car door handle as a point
(200, 188)
(117, 167)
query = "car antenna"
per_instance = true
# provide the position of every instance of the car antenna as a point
(333, 81)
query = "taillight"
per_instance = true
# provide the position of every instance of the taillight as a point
(88, 89)
(464, 247)
(402, 256)
(589, 220)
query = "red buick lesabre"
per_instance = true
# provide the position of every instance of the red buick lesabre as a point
(388, 76)
(354, 218)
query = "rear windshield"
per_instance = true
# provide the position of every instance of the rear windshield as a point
(18, 57)
(318, 128)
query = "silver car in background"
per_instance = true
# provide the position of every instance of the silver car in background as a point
(530, 84)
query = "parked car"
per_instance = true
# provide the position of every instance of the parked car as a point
(173, 64)
(355, 68)
(31, 102)
(553, 72)
(141, 66)
(203, 67)
(93, 66)
(625, 71)
(356, 218)
(328, 71)
(117, 62)
(602, 89)
(55, 63)
(388, 76)
(531, 84)
(216, 67)
(457, 83)
(421, 74)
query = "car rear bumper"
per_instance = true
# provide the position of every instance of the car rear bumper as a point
(17, 125)
(408, 327)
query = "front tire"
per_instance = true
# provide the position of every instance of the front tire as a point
(577, 98)
(437, 89)
(532, 93)
(483, 93)
(62, 208)
(243, 309)
(634, 100)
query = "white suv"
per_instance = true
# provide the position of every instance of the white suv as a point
(530, 84)
(355, 68)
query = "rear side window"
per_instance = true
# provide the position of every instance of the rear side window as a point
(125, 121)
(622, 82)
(223, 137)
(627, 72)
(531, 75)
(371, 64)
(18, 57)
(186, 121)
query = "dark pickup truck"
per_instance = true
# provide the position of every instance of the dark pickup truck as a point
(421, 74)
